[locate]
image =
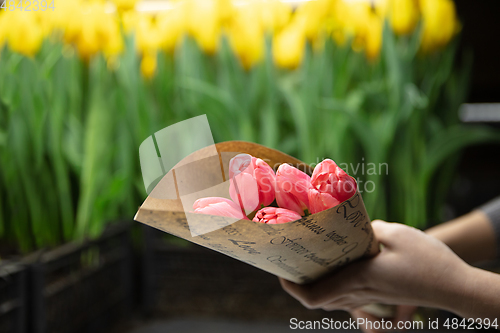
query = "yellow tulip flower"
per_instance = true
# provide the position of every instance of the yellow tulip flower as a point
(440, 23)
(24, 34)
(246, 36)
(71, 23)
(312, 15)
(124, 5)
(88, 39)
(171, 26)
(148, 65)
(288, 46)
(204, 23)
(112, 38)
(274, 14)
(3, 31)
(225, 10)
(403, 16)
(130, 21)
(65, 13)
(373, 36)
(148, 36)
(351, 19)
(99, 31)
(361, 23)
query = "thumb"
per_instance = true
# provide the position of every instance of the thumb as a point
(388, 233)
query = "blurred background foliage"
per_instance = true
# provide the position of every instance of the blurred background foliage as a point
(83, 83)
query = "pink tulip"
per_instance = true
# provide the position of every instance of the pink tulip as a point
(251, 182)
(240, 163)
(218, 206)
(319, 201)
(244, 190)
(265, 179)
(273, 215)
(328, 178)
(292, 186)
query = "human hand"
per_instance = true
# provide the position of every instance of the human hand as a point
(411, 269)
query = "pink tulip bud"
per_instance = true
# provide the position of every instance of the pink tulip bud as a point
(240, 163)
(218, 206)
(328, 178)
(285, 199)
(273, 215)
(244, 190)
(265, 180)
(320, 201)
(251, 182)
(292, 186)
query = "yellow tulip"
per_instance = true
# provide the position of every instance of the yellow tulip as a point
(381, 7)
(274, 14)
(225, 10)
(205, 23)
(440, 23)
(148, 37)
(373, 36)
(403, 16)
(288, 46)
(24, 33)
(171, 27)
(359, 22)
(3, 31)
(312, 15)
(44, 23)
(112, 40)
(148, 65)
(124, 5)
(99, 32)
(130, 20)
(72, 22)
(246, 36)
(88, 39)
(351, 19)
(271, 15)
(65, 15)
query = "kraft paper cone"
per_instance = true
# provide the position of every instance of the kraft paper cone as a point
(299, 251)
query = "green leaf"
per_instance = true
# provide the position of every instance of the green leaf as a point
(450, 141)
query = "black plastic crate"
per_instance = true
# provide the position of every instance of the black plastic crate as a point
(13, 298)
(187, 281)
(83, 287)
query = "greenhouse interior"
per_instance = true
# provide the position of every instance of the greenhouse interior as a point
(249, 166)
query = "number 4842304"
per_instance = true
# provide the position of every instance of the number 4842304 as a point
(27, 5)
(470, 324)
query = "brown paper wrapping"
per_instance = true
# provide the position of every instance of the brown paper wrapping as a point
(299, 251)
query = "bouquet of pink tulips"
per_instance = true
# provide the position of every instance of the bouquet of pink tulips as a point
(278, 198)
(293, 225)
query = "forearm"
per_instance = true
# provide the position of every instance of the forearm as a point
(476, 296)
(470, 236)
